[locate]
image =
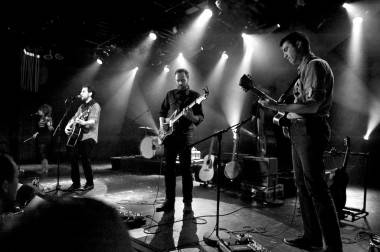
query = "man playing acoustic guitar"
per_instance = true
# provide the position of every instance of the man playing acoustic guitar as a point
(309, 134)
(82, 130)
(177, 142)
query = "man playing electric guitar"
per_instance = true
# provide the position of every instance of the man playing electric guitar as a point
(177, 142)
(86, 117)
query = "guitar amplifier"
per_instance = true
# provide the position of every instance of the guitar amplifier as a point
(259, 171)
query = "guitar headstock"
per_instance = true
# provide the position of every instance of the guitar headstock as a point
(246, 82)
(202, 97)
(347, 142)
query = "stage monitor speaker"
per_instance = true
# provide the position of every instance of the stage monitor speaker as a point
(259, 171)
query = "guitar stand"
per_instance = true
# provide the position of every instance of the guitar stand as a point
(57, 132)
(209, 237)
(356, 213)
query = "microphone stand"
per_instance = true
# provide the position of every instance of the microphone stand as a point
(208, 236)
(57, 132)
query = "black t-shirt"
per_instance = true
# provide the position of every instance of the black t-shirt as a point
(176, 100)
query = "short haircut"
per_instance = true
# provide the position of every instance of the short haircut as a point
(293, 37)
(7, 168)
(90, 90)
(182, 70)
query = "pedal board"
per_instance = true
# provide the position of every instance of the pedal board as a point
(131, 219)
(241, 245)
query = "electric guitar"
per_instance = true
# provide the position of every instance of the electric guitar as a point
(340, 182)
(232, 168)
(246, 82)
(169, 124)
(206, 173)
(77, 130)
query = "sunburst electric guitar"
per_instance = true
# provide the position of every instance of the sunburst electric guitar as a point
(170, 122)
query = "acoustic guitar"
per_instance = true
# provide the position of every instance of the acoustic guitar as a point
(170, 121)
(340, 181)
(77, 130)
(247, 83)
(232, 168)
(206, 173)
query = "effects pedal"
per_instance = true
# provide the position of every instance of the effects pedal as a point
(241, 242)
(131, 219)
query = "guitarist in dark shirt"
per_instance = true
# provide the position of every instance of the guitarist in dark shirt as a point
(87, 119)
(176, 143)
(309, 134)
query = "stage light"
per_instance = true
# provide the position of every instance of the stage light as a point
(166, 69)
(99, 61)
(243, 35)
(152, 36)
(347, 6)
(207, 13)
(224, 55)
(357, 20)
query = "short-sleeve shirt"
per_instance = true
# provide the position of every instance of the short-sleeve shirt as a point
(315, 84)
(94, 113)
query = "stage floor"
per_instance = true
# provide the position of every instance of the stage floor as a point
(265, 224)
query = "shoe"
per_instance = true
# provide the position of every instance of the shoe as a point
(73, 187)
(166, 207)
(302, 243)
(88, 187)
(187, 208)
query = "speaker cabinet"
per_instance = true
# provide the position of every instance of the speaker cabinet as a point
(259, 171)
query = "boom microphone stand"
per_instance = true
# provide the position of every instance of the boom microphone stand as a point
(208, 237)
(57, 132)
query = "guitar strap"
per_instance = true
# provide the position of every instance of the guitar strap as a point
(285, 95)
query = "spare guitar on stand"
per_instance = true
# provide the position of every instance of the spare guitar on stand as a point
(233, 169)
(340, 181)
(206, 173)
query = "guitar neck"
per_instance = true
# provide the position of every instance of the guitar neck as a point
(179, 115)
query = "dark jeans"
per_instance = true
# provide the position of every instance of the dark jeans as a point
(82, 151)
(177, 145)
(309, 138)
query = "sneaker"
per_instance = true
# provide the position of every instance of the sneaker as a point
(88, 186)
(166, 207)
(187, 208)
(73, 187)
(302, 243)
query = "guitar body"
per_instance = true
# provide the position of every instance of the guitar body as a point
(280, 120)
(232, 169)
(338, 191)
(163, 134)
(340, 182)
(75, 135)
(206, 172)
(77, 130)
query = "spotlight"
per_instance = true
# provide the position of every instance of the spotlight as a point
(99, 61)
(207, 13)
(166, 69)
(243, 35)
(224, 55)
(357, 20)
(152, 36)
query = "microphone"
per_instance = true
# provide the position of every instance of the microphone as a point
(72, 98)
(34, 114)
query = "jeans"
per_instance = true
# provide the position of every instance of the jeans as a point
(177, 145)
(309, 138)
(81, 151)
